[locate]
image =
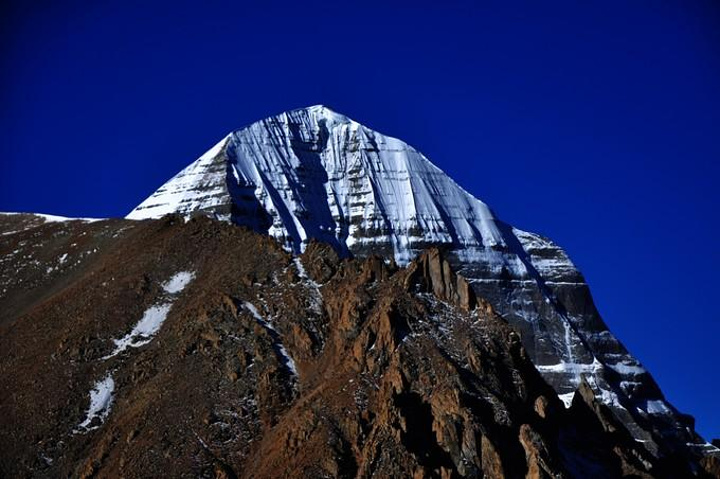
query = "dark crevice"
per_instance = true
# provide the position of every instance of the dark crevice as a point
(418, 437)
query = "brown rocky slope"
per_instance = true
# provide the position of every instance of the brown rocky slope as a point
(272, 366)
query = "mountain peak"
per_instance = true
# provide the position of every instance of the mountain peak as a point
(314, 174)
(322, 109)
(316, 113)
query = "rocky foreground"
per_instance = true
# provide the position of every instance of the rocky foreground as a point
(173, 348)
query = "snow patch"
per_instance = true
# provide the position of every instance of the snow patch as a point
(316, 299)
(54, 218)
(144, 330)
(706, 447)
(567, 399)
(627, 369)
(575, 369)
(101, 399)
(301, 269)
(178, 282)
(153, 317)
(287, 360)
(655, 407)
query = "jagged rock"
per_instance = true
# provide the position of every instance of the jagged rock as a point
(711, 465)
(492, 467)
(222, 471)
(434, 274)
(536, 454)
(541, 406)
(321, 261)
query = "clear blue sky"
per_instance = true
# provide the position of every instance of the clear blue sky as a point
(594, 123)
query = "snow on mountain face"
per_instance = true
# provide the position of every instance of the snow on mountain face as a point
(313, 173)
(316, 174)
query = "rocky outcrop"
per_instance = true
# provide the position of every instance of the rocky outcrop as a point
(434, 274)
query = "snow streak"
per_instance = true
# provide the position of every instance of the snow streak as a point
(154, 316)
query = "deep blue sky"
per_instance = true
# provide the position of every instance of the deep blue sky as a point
(596, 125)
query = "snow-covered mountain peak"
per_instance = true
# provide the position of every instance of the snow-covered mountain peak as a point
(315, 116)
(314, 173)
(327, 113)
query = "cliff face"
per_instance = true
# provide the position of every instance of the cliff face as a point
(200, 349)
(314, 174)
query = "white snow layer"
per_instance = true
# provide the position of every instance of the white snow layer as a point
(567, 399)
(314, 287)
(54, 218)
(181, 193)
(144, 330)
(178, 282)
(655, 407)
(154, 316)
(318, 174)
(282, 352)
(571, 368)
(301, 269)
(101, 398)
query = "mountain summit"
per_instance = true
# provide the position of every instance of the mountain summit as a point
(314, 174)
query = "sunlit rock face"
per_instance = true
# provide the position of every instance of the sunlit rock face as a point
(316, 174)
